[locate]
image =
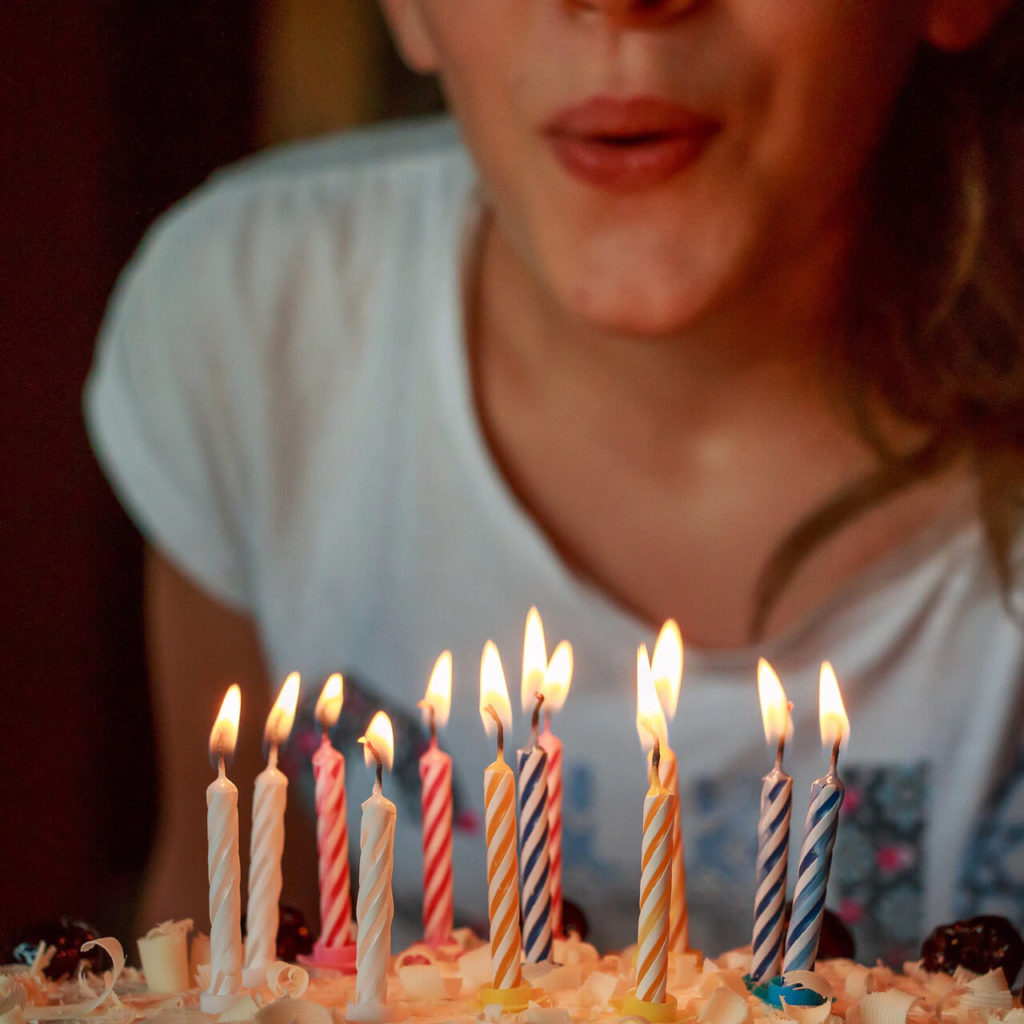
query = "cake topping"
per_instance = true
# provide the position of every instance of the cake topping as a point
(979, 943)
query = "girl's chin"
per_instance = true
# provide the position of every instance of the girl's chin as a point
(642, 313)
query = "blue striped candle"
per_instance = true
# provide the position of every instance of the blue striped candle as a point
(819, 833)
(772, 857)
(772, 832)
(815, 863)
(534, 867)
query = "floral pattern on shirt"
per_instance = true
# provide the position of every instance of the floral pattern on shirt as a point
(992, 880)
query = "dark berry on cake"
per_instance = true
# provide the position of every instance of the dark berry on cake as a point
(574, 920)
(980, 944)
(293, 937)
(66, 935)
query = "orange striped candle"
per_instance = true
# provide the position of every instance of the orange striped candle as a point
(500, 830)
(655, 889)
(507, 989)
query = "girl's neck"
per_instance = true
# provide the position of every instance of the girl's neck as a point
(770, 340)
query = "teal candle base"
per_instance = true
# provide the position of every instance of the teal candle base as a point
(776, 990)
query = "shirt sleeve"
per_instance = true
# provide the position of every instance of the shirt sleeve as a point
(165, 401)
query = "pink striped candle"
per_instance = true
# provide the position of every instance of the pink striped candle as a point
(436, 776)
(552, 745)
(332, 835)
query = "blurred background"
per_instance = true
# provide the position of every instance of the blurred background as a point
(113, 110)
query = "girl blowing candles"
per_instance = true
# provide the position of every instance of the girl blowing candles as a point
(710, 311)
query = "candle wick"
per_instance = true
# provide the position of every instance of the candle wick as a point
(221, 770)
(501, 729)
(272, 756)
(834, 767)
(656, 760)
(433, 725)
(781, 750)
(535, 724)
(377, 758)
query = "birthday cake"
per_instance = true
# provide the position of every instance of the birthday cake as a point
(961, 979)
(528, 973)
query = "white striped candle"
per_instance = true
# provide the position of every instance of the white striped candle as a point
(375, 906)
(223, 861)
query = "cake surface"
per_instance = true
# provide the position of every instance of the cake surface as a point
(444, 985)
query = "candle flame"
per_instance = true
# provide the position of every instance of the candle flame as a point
(380, 734)
(774, 706)
(650, 719)
(835, 726)
(224, 734)
(558, 677)
(332, 696)
(535, 659)
(493, 690)
(282, 714)
(439, 690)
(667, 667)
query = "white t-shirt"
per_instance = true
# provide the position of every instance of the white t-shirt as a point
(281, 398)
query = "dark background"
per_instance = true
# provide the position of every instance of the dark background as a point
(111, 111)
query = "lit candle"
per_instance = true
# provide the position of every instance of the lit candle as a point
(532, 762)
(667, 675)
(436, 777)
(772, 833)
(507, 988)
(225, 872)
(552, 678)
(375, 907)
(650, 998)
(334, 947)
(819, 833)
(267, 844)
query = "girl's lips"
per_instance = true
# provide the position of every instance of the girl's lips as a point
(627, 145)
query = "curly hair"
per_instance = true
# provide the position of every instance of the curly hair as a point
(935, 298)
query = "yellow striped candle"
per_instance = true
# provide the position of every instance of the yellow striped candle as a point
(667, 677)
(650, 999)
